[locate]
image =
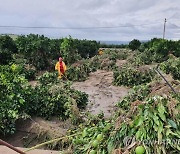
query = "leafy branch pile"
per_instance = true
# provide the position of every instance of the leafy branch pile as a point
(139, 92)
(58, 96)
(48, 78)
(79, 71)
(172, 66)
(152, 124)
(129, 76)
(92, 137)
(56, 100)
(120, 54)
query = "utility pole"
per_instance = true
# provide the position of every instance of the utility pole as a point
(164, 28)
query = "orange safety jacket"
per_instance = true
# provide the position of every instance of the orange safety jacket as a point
(61, 67)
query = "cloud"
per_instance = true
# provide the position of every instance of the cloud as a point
(141, 19)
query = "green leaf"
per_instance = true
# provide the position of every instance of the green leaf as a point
(139, 121)
(138, 134)
(21, 101)
(156, 120)
(162, 116)
(168, 131)
(110, 147)
(161, 111)
(172, 123)
(160, 129)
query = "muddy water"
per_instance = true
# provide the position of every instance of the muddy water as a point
(102, 94)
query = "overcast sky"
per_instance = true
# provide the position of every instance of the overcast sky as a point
(120, 20)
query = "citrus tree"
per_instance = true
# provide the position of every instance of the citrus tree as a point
(134, 44)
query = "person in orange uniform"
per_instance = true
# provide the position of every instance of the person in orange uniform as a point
(61, 67)
(100, 51)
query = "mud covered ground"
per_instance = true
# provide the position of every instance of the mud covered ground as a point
(102, 94)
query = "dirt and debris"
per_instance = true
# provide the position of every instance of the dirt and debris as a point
(6, 150)
(36, 130)
(161, 87)
(120, 63)
(34, 83)
(146, 67)
(102, 94)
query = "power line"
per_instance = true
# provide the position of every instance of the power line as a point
(50, 27)
(175, 25)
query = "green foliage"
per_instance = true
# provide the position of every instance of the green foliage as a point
(103, 45)
(152, 125)
(59, 99)
(134, 44)
(117, 54)
(92, 137)
(47, 99)
(7, 48)
(176, 51)
(78, 73)
(97, 63)
(5, 56)
(145, 57)
(54, 47)
(172, 66)
(149, 123)
(158, 49)
(86, 48)
(129, 76)
(13, 86)
(74, 49)
(80, 70)
(58, 96)
(7, 43)
(30, 74)
(48, 77)
(41, 51)
(69, 52)
(36, 50)
(137, 93)
(24, 68)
